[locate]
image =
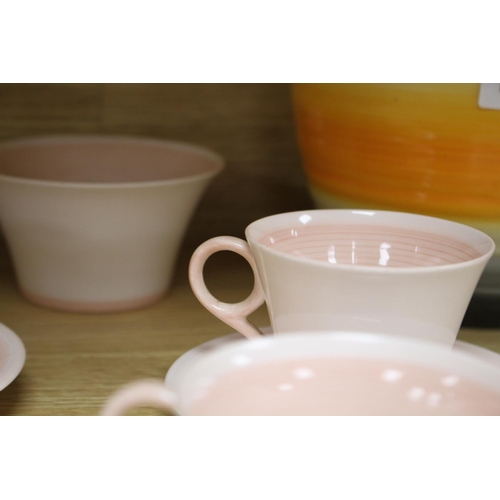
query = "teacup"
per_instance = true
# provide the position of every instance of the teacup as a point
(322, 373)
(95, 223)
(354, 270)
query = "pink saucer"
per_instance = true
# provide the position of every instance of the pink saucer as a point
(12, 356)
(179, 365)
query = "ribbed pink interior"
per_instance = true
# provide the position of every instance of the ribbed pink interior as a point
(369, 245)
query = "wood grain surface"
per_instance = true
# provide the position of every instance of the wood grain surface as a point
(75, 361)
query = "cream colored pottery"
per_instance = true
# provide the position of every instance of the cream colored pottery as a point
(94, 224)
(353, 270)
(322, 373)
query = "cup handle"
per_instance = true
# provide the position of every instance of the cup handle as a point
(147, 392)
(235, 315)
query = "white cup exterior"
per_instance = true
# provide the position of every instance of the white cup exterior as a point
(99, 246)
(303, 294)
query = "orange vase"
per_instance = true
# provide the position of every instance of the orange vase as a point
(423, 148)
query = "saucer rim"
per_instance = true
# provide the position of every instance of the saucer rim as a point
(16, 354)
(178, 365)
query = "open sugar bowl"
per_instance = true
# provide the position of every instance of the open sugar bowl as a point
(94, 223)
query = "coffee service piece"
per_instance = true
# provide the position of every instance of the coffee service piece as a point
(94, 223)
(353, 270)
(359, 270)
(322, 373)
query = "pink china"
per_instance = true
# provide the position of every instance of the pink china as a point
(12, 356)
(95, 223)
(353, 270)
(321, 373)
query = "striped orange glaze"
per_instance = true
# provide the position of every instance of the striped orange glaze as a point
(425, 148)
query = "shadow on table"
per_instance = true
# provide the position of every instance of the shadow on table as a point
(483, 312)
(10, 397)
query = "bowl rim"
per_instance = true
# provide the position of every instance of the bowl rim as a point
(218, 161)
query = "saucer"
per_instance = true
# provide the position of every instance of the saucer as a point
(179, 365)
(12, 356)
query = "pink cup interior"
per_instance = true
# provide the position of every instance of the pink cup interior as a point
(334, 373)
(105, 160)
(376, 239)
(370, 245)
(346, 386)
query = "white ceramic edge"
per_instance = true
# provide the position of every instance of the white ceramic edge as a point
(185, 359)
(280, 221)
(180, 363)
(219, 161)
(184, 369)
(478, 351)
(16, 356)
